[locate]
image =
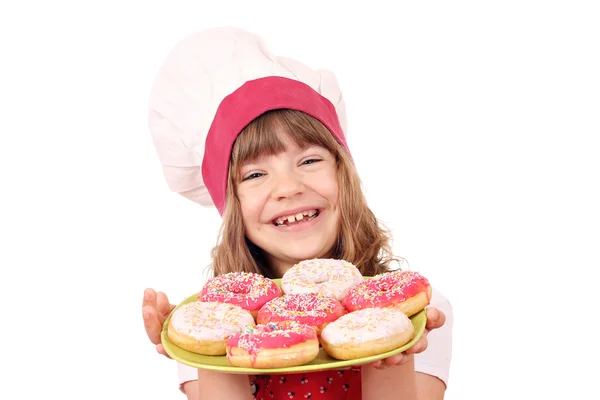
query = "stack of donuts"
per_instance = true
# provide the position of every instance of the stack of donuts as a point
(321, 303)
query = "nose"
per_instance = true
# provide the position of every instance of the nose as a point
(287, 185)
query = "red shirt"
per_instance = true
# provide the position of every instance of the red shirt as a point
(331, 385)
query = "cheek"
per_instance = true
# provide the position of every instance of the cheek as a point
(245, 210)
(250, 208)
(330, 189)
(335, 195)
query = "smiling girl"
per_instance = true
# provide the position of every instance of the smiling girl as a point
(277, 167)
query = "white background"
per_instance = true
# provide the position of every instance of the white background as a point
(474, 127)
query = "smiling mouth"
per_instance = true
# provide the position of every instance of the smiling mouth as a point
(295, 219)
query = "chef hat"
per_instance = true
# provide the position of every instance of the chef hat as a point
(210, 87)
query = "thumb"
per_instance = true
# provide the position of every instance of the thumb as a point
(435, 318)
(161, 350)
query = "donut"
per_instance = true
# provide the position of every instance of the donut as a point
(203, 327)
(244, 289)
(313, 309)
(408, 291)
(330, 277)
(273, 345)
(366, 332)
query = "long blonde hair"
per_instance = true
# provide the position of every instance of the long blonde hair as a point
(362, 239)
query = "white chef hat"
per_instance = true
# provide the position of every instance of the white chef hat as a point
(210, 87)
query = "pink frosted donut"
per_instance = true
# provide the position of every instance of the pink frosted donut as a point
(273, 345)
(408, 291)
(313, 309)
(247, 290)
(330, 277)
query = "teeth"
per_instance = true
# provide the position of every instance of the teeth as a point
(295, 217)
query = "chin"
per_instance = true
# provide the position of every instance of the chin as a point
(298, 247)
(306, 252)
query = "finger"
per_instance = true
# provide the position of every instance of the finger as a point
(376, 364)
(163, 306)
(420, 346)
(397, 359)
(149, 298)
(161, 350)
(435, 318)
(152, 324)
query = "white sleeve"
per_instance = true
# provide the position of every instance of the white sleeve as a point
(186, 374)
(435, 360)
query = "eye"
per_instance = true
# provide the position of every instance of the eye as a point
(310, 161)
(253, 175)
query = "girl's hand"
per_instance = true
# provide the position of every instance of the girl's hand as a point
(155, 309)
(435, 319)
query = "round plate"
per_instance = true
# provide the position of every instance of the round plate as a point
(322, 362)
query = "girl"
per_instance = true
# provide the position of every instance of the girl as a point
(275, 151)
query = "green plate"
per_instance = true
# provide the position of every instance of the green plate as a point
(322, 362)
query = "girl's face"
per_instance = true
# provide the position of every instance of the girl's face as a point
(289, 203)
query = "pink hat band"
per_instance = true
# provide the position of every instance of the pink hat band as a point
(237, 110)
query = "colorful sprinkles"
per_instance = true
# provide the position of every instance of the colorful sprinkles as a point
(384, 289)
(245, 289)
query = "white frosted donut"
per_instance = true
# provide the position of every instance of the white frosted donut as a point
(330, 277)
(204, 327)
(366, 332)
